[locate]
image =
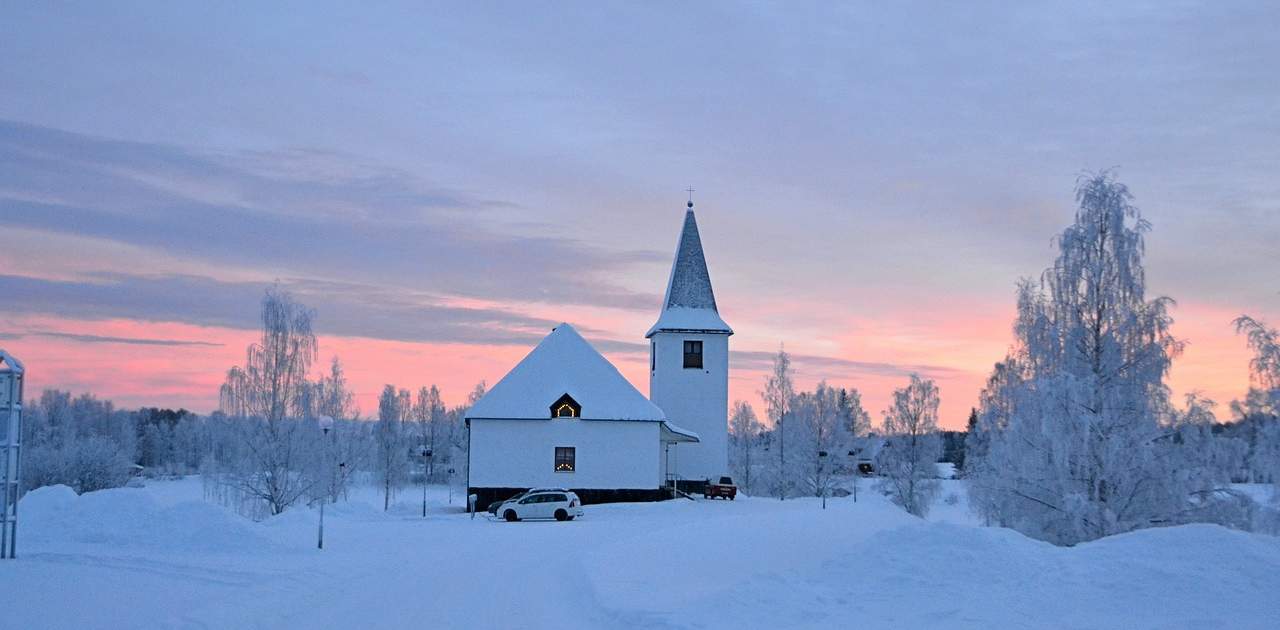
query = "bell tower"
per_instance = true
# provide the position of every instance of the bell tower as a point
(689, 359)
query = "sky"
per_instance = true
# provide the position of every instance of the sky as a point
(443, 183)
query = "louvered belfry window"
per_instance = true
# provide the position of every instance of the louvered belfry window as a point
(693, 354)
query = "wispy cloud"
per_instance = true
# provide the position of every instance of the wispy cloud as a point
(308, 214)
(137, 341)
(343, 308)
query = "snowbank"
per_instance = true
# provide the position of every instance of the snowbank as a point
(119, 558)
(929, 575)
(131, 517)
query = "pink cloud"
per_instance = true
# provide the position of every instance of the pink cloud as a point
(962, 343)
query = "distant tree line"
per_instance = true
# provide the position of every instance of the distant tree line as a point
(280, 437)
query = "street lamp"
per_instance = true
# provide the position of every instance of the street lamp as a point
(326, 424)
(426, 457)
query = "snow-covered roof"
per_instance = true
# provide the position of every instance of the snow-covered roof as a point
(564, 363)
(690, 303)
(673, 433)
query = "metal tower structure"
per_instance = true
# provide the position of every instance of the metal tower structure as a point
(11, 377)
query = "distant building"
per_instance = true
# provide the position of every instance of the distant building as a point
(863, 452)
(565, 417)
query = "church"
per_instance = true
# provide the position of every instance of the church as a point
(565, 417)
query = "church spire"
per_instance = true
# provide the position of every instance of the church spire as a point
(689, 304)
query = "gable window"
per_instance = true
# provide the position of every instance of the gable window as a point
(566, 407)
(566, 458)
(693, 354)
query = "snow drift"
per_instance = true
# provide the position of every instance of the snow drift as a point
(151, 558)
(131, 517)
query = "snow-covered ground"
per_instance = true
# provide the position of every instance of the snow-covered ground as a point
(158, 557)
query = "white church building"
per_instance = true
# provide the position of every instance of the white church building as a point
(564, 417)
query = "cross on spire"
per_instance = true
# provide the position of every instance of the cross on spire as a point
(690, 191)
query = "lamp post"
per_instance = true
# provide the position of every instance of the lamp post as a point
(856, 474)
(326, 424)
(426, 457)
(822, 476)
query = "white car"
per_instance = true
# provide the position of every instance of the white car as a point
(561, 505)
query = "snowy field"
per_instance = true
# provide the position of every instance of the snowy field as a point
(159, 557)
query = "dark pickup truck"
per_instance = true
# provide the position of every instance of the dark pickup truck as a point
(724, 489)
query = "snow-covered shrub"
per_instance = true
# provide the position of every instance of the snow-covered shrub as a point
(86, 464)
(82, 442)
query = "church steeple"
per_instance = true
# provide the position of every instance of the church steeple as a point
(690, 303)
(689, 359)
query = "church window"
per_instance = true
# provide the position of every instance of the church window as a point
(653, 356)
(566, 407)
(693, 354)
(566, 457)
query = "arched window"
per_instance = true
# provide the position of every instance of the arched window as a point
(566, 407)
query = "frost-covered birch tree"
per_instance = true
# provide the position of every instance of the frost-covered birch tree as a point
(744, 440)
(273, 449)
(908, 462)
(779, 391)
(1075, 433)
(392, 454)
(332, 396)
(1262, 405)
(429, 411)
(821, 429)
(347, 448)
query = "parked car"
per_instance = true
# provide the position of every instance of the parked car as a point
(559, 504)
(725, 489)
(493, 507)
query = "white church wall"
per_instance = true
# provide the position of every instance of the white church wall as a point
(521, 453)
(695, 399)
